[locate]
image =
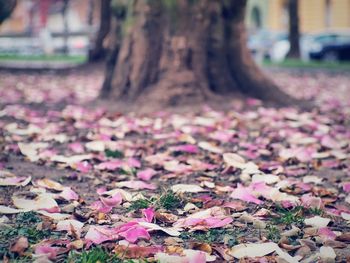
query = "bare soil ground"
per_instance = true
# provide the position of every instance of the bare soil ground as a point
(300, 157)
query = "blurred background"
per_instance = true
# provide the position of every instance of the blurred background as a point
(324, 27)
(67, 29)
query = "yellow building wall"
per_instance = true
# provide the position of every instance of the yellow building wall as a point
(275, 15)
(312, 15)
(340, 13)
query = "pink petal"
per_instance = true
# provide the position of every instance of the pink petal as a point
(329, 142)
(137, 185)
(101, 190)
(68, 194)
(76, 147)
(189, 148)
(110, 165)
(245, 194)
(346, 187)
(100, 207)
(213, 222)
(132, 232)
(308, 200)
(47, 250)
(194, 256)
(132, 162)
(146, 174)
(148, 213)
(112, 201)
(327, 233)
(98, 234)
(83, 167)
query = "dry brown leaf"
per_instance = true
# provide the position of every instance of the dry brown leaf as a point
(166, 217)
(135, 251)
(20, 246)
(201, 246)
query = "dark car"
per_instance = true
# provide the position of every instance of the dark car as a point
(330, 47)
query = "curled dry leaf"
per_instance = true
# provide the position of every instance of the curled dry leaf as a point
(187, 188)
(136, 251)
(41, 202)
(317, 221)
(70, 159)
(327, 253)
(210, 147)
(136, 185)
(49, 184)
(153, 227)
(234, 160)
(188, 255)
(96, 146)
(259, 250)
(30, 150)
(10, 210)
(166, 217)
(9, 179)
(71, 226)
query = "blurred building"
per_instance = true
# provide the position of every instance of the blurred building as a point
(314, 15)
(31, 16)
(50, 26)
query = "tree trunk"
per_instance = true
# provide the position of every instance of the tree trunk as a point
(65, 26)
(98, 51)
(6, 8)
(294, 51)
(187, 52)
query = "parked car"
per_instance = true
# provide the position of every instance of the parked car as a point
(260, 43)
(330, 46)
(279, 50)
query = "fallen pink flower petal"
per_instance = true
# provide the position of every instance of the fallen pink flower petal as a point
(46, 251)
(70, 226)
(112, 201)
(68, 194)
(76, 147)
(15, 181)
(188, 148)
(326, 233)
(132, 231)
(100, 234)
(134, 163)
(346, 187)
(245, 194)
(147, 174)
(136, 185)
(148, 214)
(110, 165)
(101, 207)
(83, 167)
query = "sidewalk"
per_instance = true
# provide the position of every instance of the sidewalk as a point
(38, 65)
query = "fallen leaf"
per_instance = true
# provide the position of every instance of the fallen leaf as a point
(187, 188)
(317, 221)
(20, 246)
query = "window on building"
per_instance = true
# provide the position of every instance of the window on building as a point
(256, 18)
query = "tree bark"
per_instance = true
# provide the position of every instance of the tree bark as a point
(189, 52)
(6, 9)
(65, 26)
(98, 51)
(294, 34)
